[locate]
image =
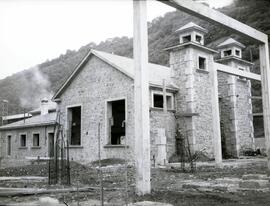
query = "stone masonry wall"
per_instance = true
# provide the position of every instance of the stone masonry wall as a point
(236, 111)
(245, 131)
(193, 101)
(203, 123)
(19, 154)
(161, 120)
(182, 75)
(227, 104)
(97, 83)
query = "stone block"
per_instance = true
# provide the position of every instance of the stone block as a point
(254, 184)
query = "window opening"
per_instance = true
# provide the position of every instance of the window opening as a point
(23, 140)
(202, 63)
(74, 120)
(116, 121)
(186, 38)
(35, 140)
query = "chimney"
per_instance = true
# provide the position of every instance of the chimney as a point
(44, 108)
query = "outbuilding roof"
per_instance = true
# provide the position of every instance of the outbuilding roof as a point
(40, 120)
(191, 26)
(230, 42)
(16, 116)
(157, 73)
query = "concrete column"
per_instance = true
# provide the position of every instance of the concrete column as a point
(141, 100)
(215, 116)
(265, 72)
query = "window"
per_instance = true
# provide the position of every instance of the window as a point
(23, 140)
(202, 63)
(237, 52)
(9, 145)
(116, 128)
(198, 38)
(227, 53)
(35, 140)
(186, 38)
(74, 125)
(157, 98)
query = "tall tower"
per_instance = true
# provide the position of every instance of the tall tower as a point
(191, 64)
(235, 101)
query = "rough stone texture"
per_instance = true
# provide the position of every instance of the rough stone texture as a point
(227, 104)
(203, 123)
(194, 96)
(97, 83)
(18, 154)
(236, 112)
(160, 119)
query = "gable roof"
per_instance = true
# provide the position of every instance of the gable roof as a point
(230, 42)
(16, 116)
(157, 73)
(40, 120)
(190, 26)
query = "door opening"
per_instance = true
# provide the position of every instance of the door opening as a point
(116, 121)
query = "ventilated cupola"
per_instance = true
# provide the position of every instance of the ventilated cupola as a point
(231, 48)
(191, 32)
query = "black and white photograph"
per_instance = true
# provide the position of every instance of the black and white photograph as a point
(134, 102)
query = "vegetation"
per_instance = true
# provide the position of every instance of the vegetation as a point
(161, 35)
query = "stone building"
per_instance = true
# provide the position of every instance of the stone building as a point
(25, 140)
(96, 103)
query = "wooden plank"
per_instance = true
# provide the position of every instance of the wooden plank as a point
(141, 100)
(265, 71)
(229, 70)
(204, 12)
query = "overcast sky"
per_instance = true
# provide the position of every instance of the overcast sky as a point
(32, 31)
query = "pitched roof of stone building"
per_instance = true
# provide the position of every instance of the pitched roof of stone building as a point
(16, 116)
(231, 42)
(157, 73)
(40, 120)
(191, 26)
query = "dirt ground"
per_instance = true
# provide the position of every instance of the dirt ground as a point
(167, 185)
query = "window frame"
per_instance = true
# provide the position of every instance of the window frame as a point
(9, 150)
(235, 52)
(67, 124)
(20, 135)
(202, 40)
(35, 133)
(184, 37)
(226, 50)
(107, 130)
(154, 92)
(205, 63)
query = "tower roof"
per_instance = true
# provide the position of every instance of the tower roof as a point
(231, 42)
(191, 26)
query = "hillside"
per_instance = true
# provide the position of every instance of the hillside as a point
(24, 89)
